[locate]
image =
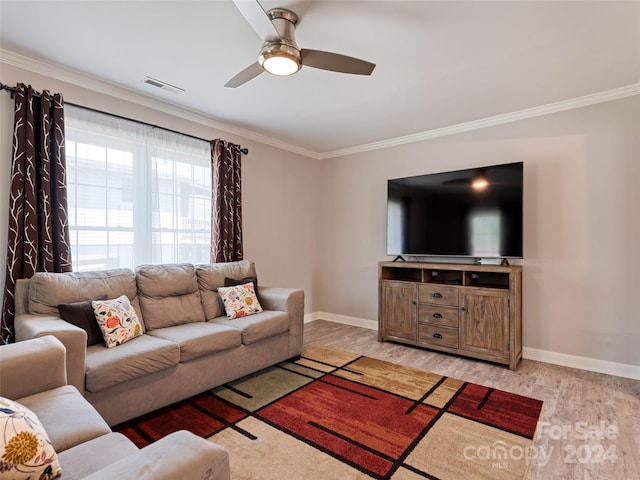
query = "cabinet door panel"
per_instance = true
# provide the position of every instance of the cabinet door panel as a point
(399, 309)
(485, 321)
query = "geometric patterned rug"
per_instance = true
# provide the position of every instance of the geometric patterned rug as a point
(332, 414)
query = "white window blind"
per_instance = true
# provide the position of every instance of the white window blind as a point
(136, 194)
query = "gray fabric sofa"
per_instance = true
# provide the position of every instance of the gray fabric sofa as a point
(85, 445)
(188, 345)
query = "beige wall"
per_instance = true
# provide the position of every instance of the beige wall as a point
(581, 224)
(280, 189)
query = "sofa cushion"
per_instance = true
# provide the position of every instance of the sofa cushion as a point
(169, 295)
(141, 356)
(91, 456)
(200, 338)
(117, 320)
(259, 326)
(48, 290)
(81, 315)
(211, 276)
(25, 449)
(68, 418)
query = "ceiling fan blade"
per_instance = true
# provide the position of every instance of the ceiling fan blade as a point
(255, 16)
(336, 62)
(249, 73)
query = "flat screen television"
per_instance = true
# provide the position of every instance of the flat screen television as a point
(475, 212)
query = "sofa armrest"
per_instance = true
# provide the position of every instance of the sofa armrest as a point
(178, 456)
(73, 338)
(288, 300)
(281, 299)
(31, 367)
(21, 296)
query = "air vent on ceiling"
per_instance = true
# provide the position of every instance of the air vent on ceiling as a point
(163, 85)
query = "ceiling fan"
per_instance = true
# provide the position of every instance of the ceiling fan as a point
(280, 55)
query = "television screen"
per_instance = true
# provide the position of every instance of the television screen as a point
(465, 213)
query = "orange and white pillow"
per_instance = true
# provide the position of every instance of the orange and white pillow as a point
(117, 320)
(240, 300)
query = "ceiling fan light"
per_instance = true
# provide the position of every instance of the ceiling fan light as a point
(480, 182)
(280, 59)
(280, 65)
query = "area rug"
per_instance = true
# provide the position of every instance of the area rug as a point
(337, 415)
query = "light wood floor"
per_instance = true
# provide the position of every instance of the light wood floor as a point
(593, 429)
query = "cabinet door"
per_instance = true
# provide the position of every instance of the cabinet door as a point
(399, 309)
(485, 321)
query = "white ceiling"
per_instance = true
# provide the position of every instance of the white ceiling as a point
(438, 63)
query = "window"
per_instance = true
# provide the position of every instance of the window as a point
(136, 194)
(396, 216)
(486, 231)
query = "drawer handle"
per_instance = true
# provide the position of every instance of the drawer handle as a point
(437, 295)
(437, 315)
(438, 336)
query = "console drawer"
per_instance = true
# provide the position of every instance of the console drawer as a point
(437, 315)
(438, 294)
(436, 335)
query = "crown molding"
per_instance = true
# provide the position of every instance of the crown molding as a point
(112, 89)
(561, 106)
(115, 90)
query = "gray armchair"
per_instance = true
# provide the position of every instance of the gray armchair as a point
(32, 372)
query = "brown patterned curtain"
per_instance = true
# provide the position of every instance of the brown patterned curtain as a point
(38, 237)
(226, 204)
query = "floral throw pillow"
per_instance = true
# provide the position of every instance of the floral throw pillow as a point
(117, 320)
(239, 300)
(25, 449)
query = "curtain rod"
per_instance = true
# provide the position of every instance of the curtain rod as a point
(244, 151)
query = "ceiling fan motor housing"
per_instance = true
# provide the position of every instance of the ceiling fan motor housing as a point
(285, 23)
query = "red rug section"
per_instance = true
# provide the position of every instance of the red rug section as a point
(204, 415)
(362, 426)
(504, 410)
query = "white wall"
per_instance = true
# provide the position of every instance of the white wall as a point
(581, 290)
(280, 189)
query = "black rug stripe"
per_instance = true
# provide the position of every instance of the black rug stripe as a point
(225, 423)
(352, 441)
(324, 450)
(441, 411)
(135, 426)
(485, 398)
(351, 390)
(426, 395)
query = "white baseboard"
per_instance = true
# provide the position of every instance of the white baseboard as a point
(583, 363)
(332, 317)
(556, 358)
